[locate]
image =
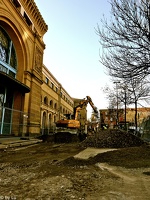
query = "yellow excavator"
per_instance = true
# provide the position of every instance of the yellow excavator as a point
(73, 126)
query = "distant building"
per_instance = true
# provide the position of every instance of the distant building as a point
(82, 115)
(55, 102)
(108, 117)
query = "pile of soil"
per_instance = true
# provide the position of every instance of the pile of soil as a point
(112, 139)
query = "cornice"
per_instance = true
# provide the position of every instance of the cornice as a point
(33, 12)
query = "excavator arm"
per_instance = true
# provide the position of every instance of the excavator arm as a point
(92, 104)
(83, 104)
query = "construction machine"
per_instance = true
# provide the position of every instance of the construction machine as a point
(74, 126)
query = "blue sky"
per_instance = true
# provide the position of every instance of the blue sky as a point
(72, 46)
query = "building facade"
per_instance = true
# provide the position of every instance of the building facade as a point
(108, 117)
(31, 99)
(55, 102)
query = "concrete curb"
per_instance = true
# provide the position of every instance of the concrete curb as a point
(91, 152)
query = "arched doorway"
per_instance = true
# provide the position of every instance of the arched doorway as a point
(44, 123)
(8, 65)
(12, 91)
(50, 124)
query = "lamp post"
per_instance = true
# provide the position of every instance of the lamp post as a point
(117, 114)
(125, 109)
(125, 88)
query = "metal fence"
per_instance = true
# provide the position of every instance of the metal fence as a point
(13, 122)
(48, 131)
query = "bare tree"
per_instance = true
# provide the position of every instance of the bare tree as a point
(126, 39)
(116, 100)
(138, 90)
(129, 91)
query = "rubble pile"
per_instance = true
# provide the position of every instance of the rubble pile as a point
(112, 139)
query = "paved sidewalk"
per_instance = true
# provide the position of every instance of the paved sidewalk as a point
(9, 142)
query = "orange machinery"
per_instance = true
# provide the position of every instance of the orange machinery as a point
(72, 123)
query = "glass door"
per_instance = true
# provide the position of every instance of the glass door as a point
(2, 97)
(6, 103)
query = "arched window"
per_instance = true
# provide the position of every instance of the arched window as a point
(54, 118)
(45, 100)
(8, 58)
(55, 105)
(51, 103)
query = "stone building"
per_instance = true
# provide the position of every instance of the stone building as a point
(55, 102)
(30, 96)
(108, 117)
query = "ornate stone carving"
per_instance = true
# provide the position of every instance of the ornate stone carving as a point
(38, 60)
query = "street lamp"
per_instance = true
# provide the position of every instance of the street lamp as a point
(117, 117)
(125, 106)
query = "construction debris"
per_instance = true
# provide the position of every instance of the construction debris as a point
(112, 139)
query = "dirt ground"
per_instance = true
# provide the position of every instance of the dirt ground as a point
(49, 171)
